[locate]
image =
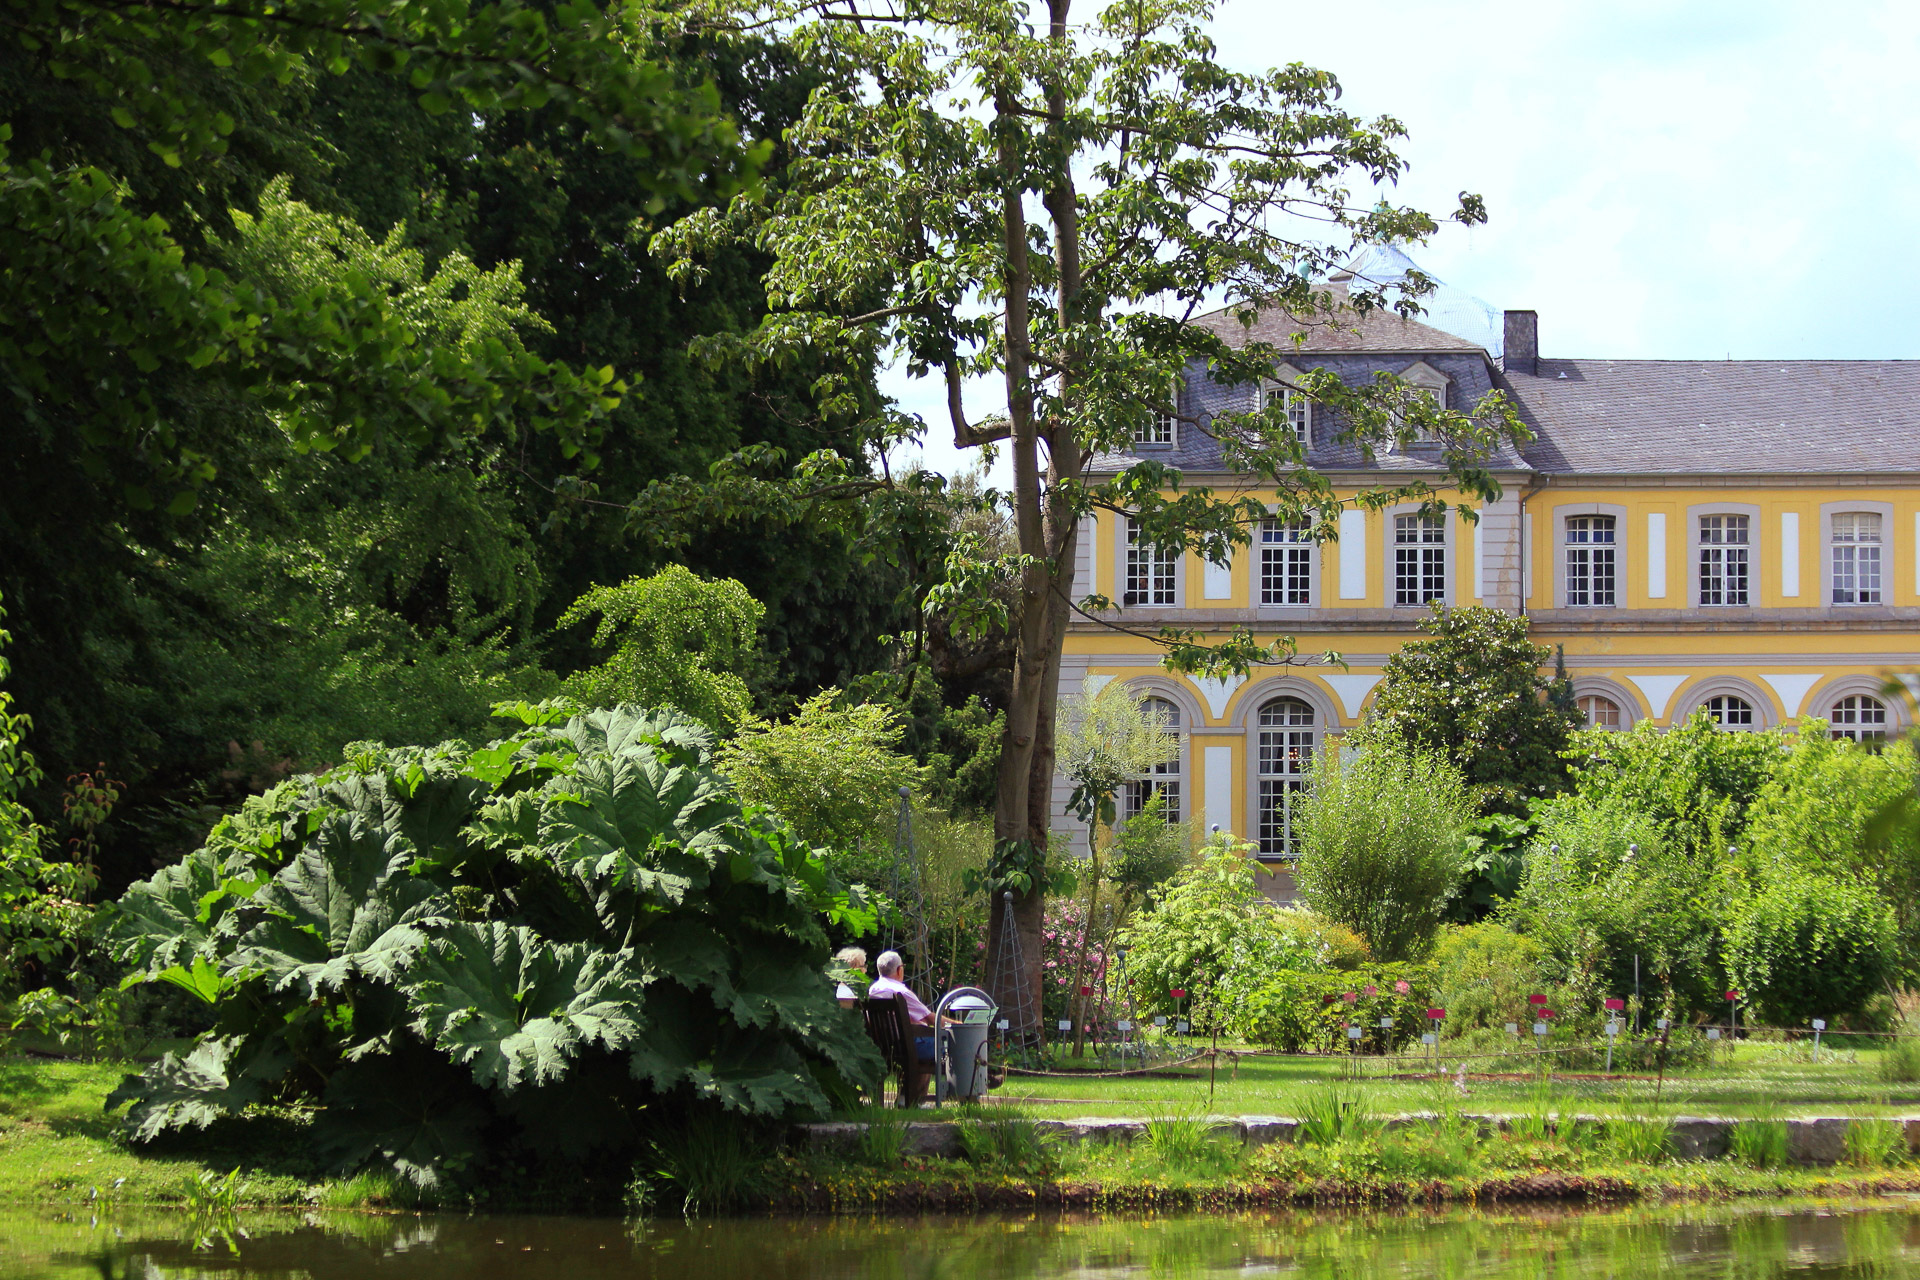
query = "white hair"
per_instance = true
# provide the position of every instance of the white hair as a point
(889, 963)
(855, 957)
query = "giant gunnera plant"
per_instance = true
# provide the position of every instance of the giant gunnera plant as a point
(452, 952)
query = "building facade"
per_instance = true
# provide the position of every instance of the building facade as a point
(1736, 536)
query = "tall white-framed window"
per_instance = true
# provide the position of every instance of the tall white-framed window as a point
(1284, 745)
(1725, 557)
(1156, 428)
(1150, 571)
(1298, 408)
(1729, 711)
(1600, 711)
(1419, 559)
(1856, 557)
(1860, 717)
(1591, 563)
(1165, 777)
(1287, 552)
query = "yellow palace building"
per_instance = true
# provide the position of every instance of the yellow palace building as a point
(1739, 536)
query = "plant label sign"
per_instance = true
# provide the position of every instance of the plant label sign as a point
(1181, 1026)
(1429, 1038)
(1005, 1025)
(1124, 1025)
(1661, 1024)
(1613, 1028)
(1819, 1024)
(1540, 1028)
(1160, 1021)
(1713, 1033)
(1386, 1022)
(1615, 1005)
(1066, 1024)
(1353, 1033)
(1513, 1028)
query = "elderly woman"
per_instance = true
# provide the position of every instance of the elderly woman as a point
(852, 960)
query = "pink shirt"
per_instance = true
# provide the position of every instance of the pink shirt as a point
(886, 988)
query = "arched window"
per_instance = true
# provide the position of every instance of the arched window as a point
(1285, 760)
(1601, 713)
(1861, 718)
(1728, 711)
(1165, 777)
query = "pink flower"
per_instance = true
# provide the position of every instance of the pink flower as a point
(1402, 986)
(1372, 990)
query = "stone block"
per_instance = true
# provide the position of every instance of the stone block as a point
(1099, 1130)
(841, 1138)
(1701, 1137)
(1822, 1141)
(1911, 1126)
(1261, 1130)
(933, 1138)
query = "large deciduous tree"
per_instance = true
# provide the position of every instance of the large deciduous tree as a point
(993, 192)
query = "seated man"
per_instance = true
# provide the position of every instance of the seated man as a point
(888, 986)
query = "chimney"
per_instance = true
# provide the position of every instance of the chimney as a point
(1522, 343)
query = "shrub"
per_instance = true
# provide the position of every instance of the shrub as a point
(447, 948)
(1761, 1144)
(1875, 1143)
(1208, 932)
(1604, 883)
(1295, 1012)
(1483, 974)
(1382, 835)
(1696, 782)
(1822, 812)
(1810, 946)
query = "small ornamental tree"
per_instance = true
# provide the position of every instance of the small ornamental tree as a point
(1812, 946)
(1033, 204)
(1476, 692)
(455, 953)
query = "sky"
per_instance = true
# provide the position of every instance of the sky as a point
(1691, 179)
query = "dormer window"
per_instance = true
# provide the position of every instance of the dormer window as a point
(1158, 427)
(1424, 381)
(1296, 406)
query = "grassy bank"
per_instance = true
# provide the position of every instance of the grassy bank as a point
(57, 1145)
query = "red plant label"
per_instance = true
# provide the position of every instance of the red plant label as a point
(1536, 999)
(1436, 1014)
(1616, 1005)
(1178, 993)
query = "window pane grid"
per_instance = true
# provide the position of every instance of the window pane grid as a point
(1419, 559)
(1856, 557)
(1284, 757)
(1164, 777)
(1590, 560)
(1723, 560)
(1860, 718)
(1601, 713)
(1729, 712)
(1150, 571)
(1286, 563)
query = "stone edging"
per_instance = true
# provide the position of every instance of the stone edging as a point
(1810, 1141)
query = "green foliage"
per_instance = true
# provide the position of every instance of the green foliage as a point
(1209, 926)
(708, 1162)
(1382, 831)
(1605, 882)
(1900, 1062)
(1106, 739)
(1483, 974)
(1696, 780)
(43, 912)
(1009, 1140)
(1494, 858)
(677, 642)
(1638, 1139)
(833, 772)
(1147, 851)
(531, 942)
(1336, 1114)
(1820, 812)
(1305, 1011)
(1874, 1143)
(1475, 693)
(1811, 946)
(1761, 1144)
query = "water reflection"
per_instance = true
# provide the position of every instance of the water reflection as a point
(1747, 1242)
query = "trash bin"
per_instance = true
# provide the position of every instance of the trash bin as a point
(964, 1017)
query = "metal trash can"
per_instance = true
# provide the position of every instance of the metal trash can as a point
(964, 1016)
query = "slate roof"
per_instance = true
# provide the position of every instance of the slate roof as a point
(1373, 331)
(1599, 417)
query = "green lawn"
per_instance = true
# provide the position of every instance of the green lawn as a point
(1760, 1078)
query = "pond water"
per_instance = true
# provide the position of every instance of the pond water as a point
(1746, 1241)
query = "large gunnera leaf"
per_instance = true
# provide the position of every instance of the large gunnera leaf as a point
(411, 1111)
(516, 1008)
(346, 905)
(168, 920)
(219, 1077)
(635, 820)
(627, 730)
